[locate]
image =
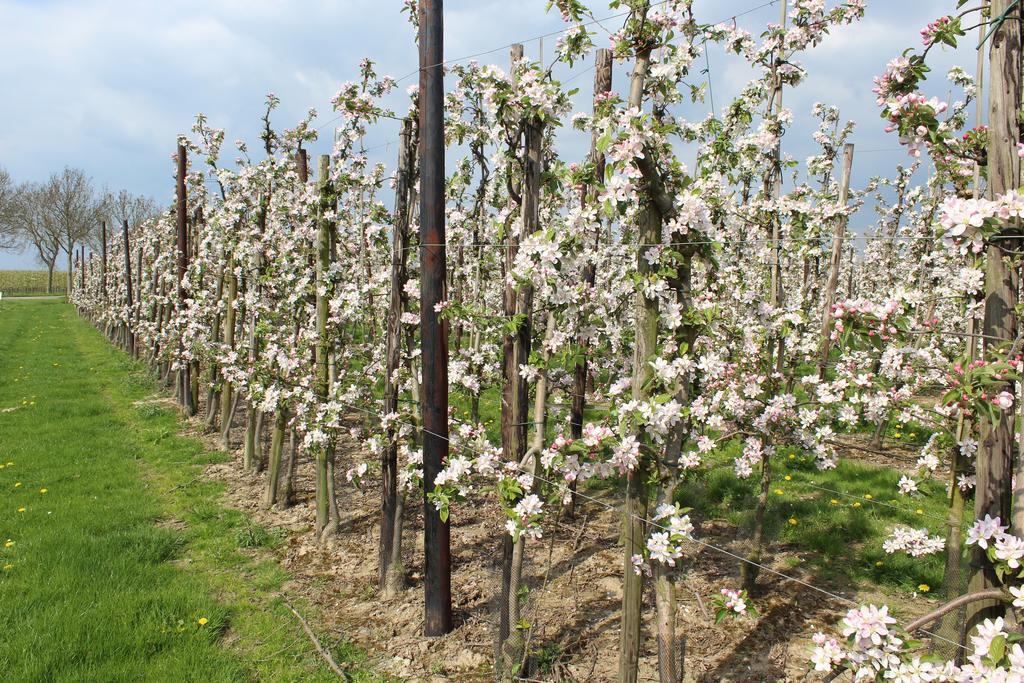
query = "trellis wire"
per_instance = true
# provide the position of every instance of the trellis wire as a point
(565, 488)
(506, 46)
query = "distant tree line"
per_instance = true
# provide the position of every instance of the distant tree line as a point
(58, 215)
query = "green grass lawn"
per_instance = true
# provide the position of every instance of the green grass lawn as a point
(834, 520)
(117, 562)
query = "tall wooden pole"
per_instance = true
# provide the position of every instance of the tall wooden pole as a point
(184, 379)
(835, 263)
(103, 252)
(994, 491)
(323, 345)
(433, 333)
(645, 311)
(602, 84)
(129, 330)
(138, 288)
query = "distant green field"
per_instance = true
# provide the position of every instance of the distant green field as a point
(26, 282)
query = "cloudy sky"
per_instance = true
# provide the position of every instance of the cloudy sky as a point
(106, 85)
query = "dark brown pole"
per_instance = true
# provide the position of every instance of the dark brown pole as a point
(81, 270)
(128, 287)
(433, 334)
(302, 166)
(103, 252)
(181, 209)
(602, 84)
(138, 288)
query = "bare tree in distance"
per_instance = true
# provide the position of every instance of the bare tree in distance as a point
(125, 206)
(34, 224)
(8, 231)
(74, 208)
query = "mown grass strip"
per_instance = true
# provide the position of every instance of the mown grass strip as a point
(117, 561)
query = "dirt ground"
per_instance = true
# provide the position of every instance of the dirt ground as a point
(574, 576)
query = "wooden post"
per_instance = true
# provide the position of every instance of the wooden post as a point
(433, 333)
(322, 384)
(646, 323)
(602, 84)
(835, 262)
(391, 573)
(184, 379)
(103, 266)
(138, 288)
(993, 492)
(129, 330)
(776, 187)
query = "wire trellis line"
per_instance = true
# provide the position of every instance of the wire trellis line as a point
(506, 46)
(653, 523)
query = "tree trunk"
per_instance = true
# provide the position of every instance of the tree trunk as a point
(274, 467)
(226, 393)
(391, 578)
(749, 570)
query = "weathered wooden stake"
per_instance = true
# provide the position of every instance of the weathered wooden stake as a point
(835, 262)
(646, 322)
(129, 328)
(323, 265)
(433, 332)
(184, 375)
(602, 84)
(993, 465)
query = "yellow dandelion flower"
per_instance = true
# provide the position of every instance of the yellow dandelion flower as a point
(21, 509)
(868, 496)
(9, 543)
(202, 621)
(788, 478)
(42, 490)
(778, 492)
(8, 567)
(924, 588)
(879, 563)
(919, 511)
(792, 456)
(10, 464)
(17, 484)
(792, 521)
(834, 502)
(897, 435)
(857, 504)
(911, 435)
